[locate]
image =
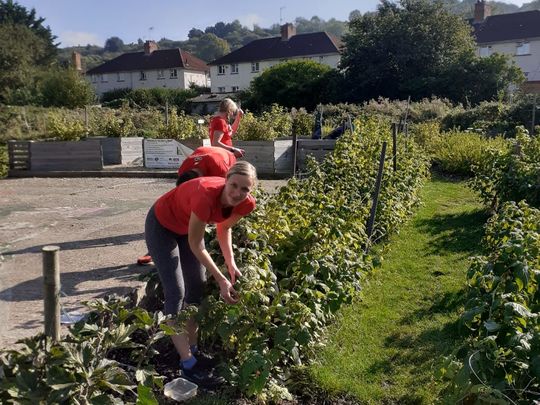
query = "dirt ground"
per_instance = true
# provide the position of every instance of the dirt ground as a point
(98, 223)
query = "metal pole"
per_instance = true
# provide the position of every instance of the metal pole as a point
(51, 291)
(371, 220)
(394, 146)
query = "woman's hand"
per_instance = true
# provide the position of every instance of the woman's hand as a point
(238, 152)
(234, 272)
(228, 293)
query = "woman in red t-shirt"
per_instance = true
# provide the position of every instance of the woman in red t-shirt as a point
(220, 131)
(174, 233)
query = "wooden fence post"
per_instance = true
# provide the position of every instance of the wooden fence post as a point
(166, 113)
(51, 291)
(86, 118)
(371, 220)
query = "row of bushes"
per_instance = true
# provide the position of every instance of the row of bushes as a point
(293, 283)
(499, 361)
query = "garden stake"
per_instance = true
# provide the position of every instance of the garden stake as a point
(51, 291)
(394, 146)
(371, 220)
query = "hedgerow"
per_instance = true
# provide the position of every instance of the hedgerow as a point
(502, 312)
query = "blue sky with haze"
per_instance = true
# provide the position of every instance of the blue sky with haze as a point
(82, 22)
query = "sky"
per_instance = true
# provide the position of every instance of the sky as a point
(82, 22)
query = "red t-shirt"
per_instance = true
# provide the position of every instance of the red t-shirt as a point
(201, 196)
(218, 123)
(210, 160)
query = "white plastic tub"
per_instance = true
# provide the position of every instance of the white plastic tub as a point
(180, 389)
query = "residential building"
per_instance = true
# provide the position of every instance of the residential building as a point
(167, 68)
(235, 71)
(515, 34)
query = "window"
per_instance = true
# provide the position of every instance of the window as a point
(142, 75)
(160, 74)
(485, 51)
(221, 89)
(119, 77)
(221, 70)
(254, 67)
(523, 49)
(321, 58)
(173, 73)
(94, 78)
(234, 69)
(234, 89)
(104, 77)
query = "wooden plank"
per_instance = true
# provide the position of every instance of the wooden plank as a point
(66, 155)
(283, 156)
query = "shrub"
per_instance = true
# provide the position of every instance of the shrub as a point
(112, 123)
(64, 126)
(419, 111)
(302, 122)
(457, 152)
(180, 126)
(66, 88)
(271, 124)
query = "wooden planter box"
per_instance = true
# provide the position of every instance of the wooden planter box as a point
(121, 151)
(313, 147)
(194, 143)
(269, 157)
(65, 155)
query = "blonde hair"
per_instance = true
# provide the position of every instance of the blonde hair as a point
(227, 106)
(243, 168)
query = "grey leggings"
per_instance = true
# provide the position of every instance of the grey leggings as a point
(182, 275)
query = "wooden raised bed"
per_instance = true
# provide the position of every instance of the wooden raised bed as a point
(65, 155)
(120, 151)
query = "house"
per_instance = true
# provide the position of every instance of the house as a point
(168, 68)
(235, 71)
(515, 34)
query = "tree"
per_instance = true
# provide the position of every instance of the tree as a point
(195, 33)
(66, 88)
(209, 47)
(12, 13)
(20, 54)
(297, 83)
(114, 44)
(409, 48)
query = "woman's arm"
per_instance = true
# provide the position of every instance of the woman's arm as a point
(237, 119)
(224, 236)
(218, 136)
(196, 243)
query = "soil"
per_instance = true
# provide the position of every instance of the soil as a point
(98, 223)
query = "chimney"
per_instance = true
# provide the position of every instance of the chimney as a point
(481, 11)
(149, 47)
(76, 61)
(287, 31)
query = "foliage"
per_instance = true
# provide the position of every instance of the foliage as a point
(511, 174)
(302, 259)
(113, 44)
(302, 122)
(417, 48)
(179, 126)
(154, 97)
(113, 123)
(271, 124)
(12, 13)
(501, 315)
(64, 126)
(459, 152)
(66, 88)
(297, 83)
(416, 112)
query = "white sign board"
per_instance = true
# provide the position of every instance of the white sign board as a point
(164, 153)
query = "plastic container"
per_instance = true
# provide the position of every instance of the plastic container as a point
(180, 389)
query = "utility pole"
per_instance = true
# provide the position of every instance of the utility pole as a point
(280, 15)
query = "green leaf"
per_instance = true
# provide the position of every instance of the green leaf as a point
(145, 396)
(491, 326)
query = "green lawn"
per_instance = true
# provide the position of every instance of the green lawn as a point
(386, 347)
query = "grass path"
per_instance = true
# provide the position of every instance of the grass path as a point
(386, 348)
